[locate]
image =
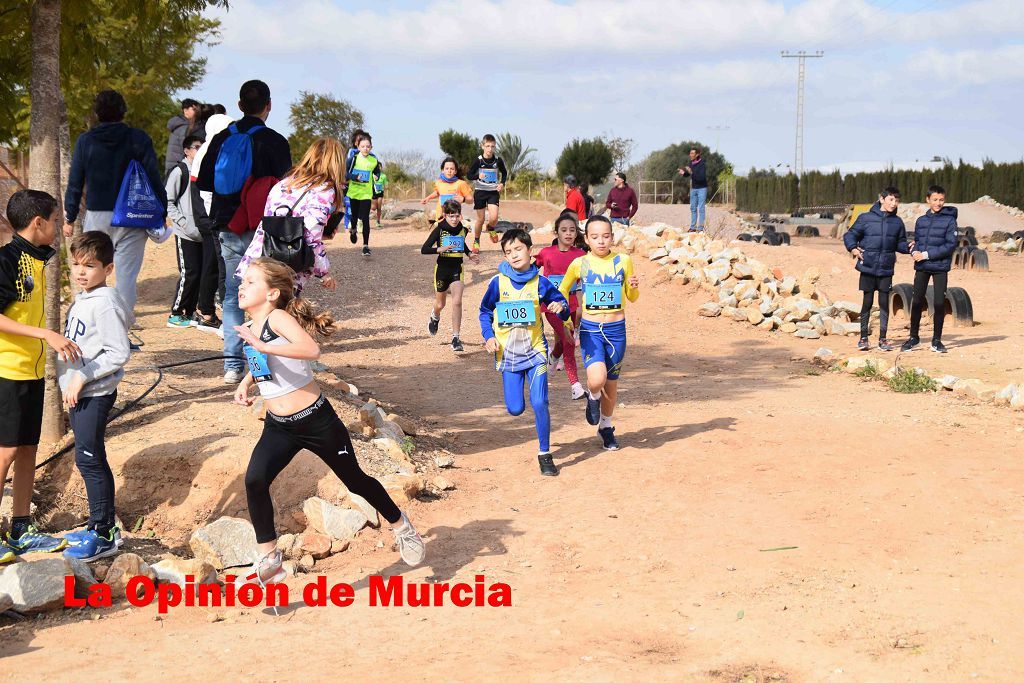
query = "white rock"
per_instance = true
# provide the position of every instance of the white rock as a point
(710, 310)
(227, 542)
(332, 520)
(806, 334)
(36, 586)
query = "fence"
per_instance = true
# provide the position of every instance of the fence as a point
(656, 191)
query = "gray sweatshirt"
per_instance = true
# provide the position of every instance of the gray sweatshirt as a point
(97, 322)
(179, 209)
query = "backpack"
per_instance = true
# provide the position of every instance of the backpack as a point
(137, 205)
(234, 161)
(284, 239)
(183, 182)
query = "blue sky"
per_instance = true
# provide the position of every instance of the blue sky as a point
(901, 80)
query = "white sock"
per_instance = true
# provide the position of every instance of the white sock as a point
(593, 395)
(606, 421)
(405, 524)
(434, 317)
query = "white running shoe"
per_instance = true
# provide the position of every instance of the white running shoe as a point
(268, 569)
(233, 376)
(578, 391)
(410, 543)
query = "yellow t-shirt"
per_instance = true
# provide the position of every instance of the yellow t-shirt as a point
(604, 281)
(23, 289)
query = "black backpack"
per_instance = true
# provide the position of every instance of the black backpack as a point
(284, 239)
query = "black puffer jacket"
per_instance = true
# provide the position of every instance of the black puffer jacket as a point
(936, 234)
(880, 235)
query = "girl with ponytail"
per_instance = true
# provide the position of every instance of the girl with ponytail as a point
(279, 343)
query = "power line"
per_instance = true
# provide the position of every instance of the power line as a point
(801, 57)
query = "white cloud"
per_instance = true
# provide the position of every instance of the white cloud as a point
(969, 67)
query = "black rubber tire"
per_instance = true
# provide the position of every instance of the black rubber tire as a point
(784, 238)
(803, 230)
(958, 256)
(503, 226)
(744, 237)
(999, 236)
(814, 232)
(771, 238)
(1019, 234)
(911, 236)
(968, 231)
(763, 238)
(977, 259)
(958, 305)
(900, 297)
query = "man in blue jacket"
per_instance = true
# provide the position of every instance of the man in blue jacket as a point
(874, 239)
(101, 157)
(934, 242)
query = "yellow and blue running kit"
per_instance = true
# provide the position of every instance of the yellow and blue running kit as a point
(605, 282)
(510, 313)
(449, 263)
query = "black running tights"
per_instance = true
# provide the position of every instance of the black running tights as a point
(321, 432)
(360, 209)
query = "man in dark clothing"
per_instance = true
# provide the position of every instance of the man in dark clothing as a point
(180, 126)
(698, 173)
(99, 162)
(271, 156)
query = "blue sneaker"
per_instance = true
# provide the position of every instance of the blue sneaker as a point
(6, 553)
(34, 542)
(608, 436)
(593, 410)
(89, 546)
(179, 321)
(72, 535)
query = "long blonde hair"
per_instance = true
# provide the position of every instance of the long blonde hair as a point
(278, 276)
(322, 164)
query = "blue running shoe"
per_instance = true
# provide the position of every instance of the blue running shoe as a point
(91, 546)
(593, 410)
(608, 436)
(34, 542)
(72, 535)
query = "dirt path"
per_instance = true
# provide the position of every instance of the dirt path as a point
(653, 563)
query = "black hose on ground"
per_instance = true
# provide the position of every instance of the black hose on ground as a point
(134, 402)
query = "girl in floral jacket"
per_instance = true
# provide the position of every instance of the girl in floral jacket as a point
(311, 190)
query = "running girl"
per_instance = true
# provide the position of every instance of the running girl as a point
(279, 344)
(311, 191)
(448, 186)
(511, 327)
(554, 261)
(448, 241)
(362, 171)
(605, 277)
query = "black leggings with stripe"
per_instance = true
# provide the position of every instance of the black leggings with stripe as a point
(317, 429)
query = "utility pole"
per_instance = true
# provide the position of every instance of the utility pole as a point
(718, 130)
(801, 57)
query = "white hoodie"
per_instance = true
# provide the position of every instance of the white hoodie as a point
(214, 125)
(97, 322)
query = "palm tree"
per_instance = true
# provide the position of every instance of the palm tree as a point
(517, 157)
(44, 174)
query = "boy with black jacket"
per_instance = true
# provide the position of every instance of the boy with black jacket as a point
(934, 242)
(271, 156)
(874, 239)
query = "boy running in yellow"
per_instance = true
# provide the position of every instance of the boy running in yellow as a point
(606, 278)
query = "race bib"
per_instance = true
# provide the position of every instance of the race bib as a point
(378, 188)
(489, 175)
(516, 313)
(445, 197)
(556, 280)
(362, 176)
(259, 366)
(457, 241)
(602, 296)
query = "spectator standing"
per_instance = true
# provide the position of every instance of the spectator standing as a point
(180, 125)
(270, 157)
(99, 162)
(621, 201)
(697, 172)
(574, 198)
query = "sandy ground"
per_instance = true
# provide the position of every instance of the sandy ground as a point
(763, 522)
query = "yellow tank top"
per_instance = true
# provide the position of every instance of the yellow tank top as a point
(517, 324)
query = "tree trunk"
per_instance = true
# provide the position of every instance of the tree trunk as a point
(44, 174)
(65, 170)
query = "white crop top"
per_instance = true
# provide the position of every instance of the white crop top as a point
(275, 375)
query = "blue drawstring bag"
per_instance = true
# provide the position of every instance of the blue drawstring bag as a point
(137, 205)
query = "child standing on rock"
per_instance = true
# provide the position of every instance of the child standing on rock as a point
(874, 239)
(279, 346)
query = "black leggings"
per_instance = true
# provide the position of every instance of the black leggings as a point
(319, 430)
(883, 312)
(360, 209)
(939, 282)
(89, 423)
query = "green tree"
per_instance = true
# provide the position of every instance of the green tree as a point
(463, 147)
(517, 156)
(664, 164)
(315, 115)
(589, 160)
(101, 46)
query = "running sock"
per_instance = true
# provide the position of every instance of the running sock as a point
(606, 421)
(405, 524)
(435, 319)
(19, 525)
(593, 395)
